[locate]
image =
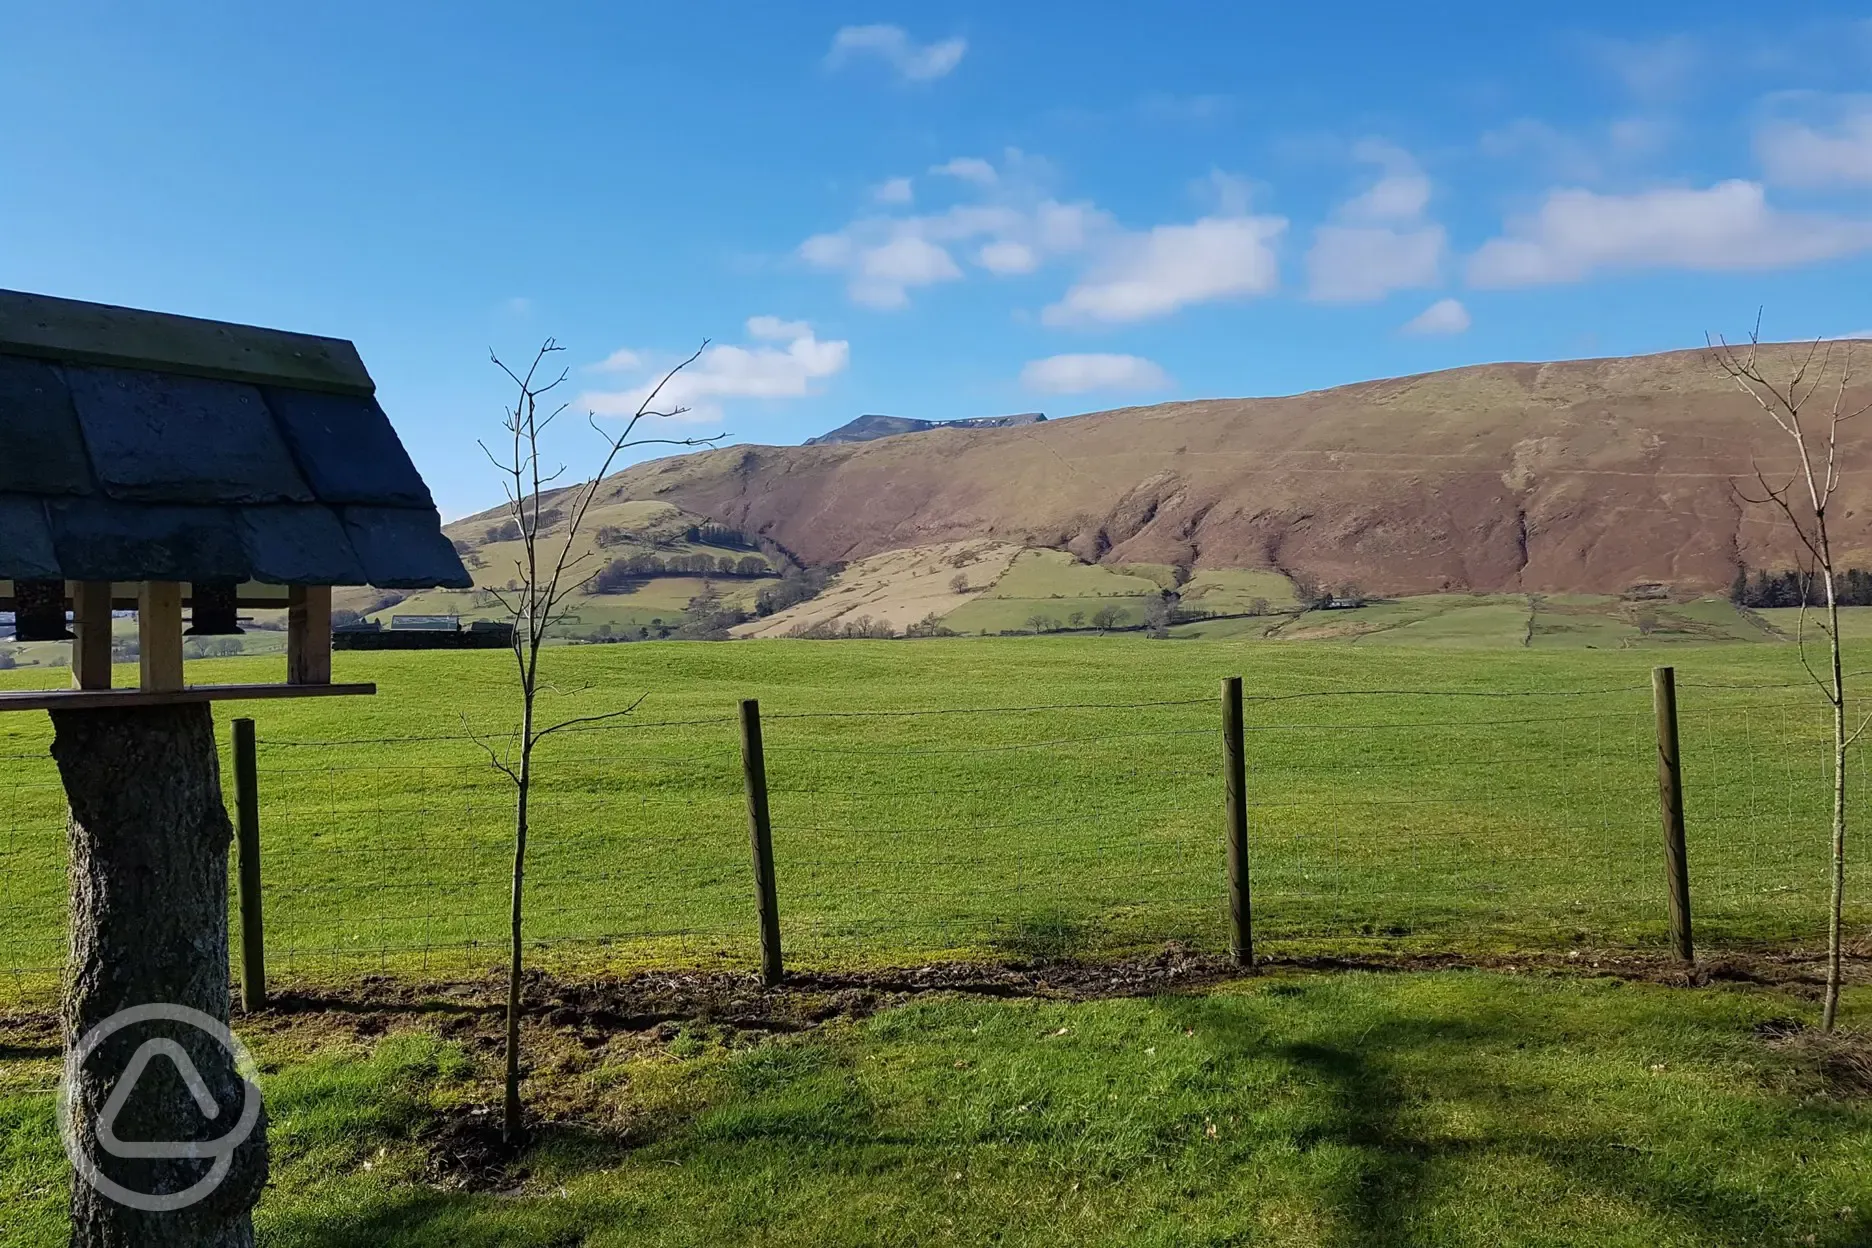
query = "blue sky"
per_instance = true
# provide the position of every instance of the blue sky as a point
(939, 210)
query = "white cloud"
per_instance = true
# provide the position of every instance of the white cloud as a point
(1445, 316)
(1067, 227)
(887, 271)
(1362, 263)
(1797, 154)
(881, 269)
(1652, 70)
(1012, 228)
(969, 169)
(1588, 157)
(1007, 257)
(731, 372)
(1638, 137)
(1225, 194)
(893, 45)
(1077, 374)
(1381, 242)
(622, 360)
(773, 329)
(893, 191)
(1156, 272)
(1394, 197)
(1726, 226)
(1401, 194)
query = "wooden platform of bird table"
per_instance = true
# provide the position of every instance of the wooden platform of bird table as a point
(160, 634)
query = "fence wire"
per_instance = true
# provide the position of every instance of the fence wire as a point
(1379, 819)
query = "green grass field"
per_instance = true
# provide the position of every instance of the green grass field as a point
(1397, 802)
(1229, 591)
(1032, 798)
(1038, 574)
(1452, 1110)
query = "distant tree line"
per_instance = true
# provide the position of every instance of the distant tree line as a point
(1794, 589)
(717, 535)
(620, 575)
(864, 627)
(794, 588)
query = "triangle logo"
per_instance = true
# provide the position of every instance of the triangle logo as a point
(120, 1096)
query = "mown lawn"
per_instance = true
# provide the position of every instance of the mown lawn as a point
(1458, 1108)
(967, 797)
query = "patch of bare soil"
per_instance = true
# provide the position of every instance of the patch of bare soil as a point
(657, 1004)
(1841, 1060)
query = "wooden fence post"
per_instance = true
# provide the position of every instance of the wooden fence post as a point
(247, 840)
(1235, 777)
(760, 833)
(1671, 810)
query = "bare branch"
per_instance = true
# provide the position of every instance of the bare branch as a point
(494, 757)
(564, 724)
(1860, 730)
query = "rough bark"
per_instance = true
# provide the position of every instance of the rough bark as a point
(149, 904)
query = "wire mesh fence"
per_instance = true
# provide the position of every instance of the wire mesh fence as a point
(1408, 819)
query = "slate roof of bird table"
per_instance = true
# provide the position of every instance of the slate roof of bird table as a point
(137, 446)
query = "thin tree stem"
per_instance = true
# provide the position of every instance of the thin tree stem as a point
(1830, 1011)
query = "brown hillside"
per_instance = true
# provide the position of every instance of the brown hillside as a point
(1585, 475)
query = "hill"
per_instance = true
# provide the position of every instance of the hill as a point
(1577, 476)
(871, 428)
(646, 561)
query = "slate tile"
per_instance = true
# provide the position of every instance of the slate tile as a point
(41, 448)
(403, 548)
(299, 544)
(157, 437)
(347, 449)
(26, 552)
(102, 540)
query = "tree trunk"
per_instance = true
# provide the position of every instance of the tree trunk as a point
(512, 1124)
(149, 913)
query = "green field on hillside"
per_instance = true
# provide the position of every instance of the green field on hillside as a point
(989, 614)
(612, 531)
(656, 599)
(1053, 586)
(1455, 1110)
(1517, 621)
(1039, 574)
(1235, 590)
(1061, 795)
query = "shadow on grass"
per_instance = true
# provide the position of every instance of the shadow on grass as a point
(1375, 1076)
(26, 1052)
(1379, 1091)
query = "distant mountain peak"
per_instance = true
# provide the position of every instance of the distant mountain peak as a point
(869, 428)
